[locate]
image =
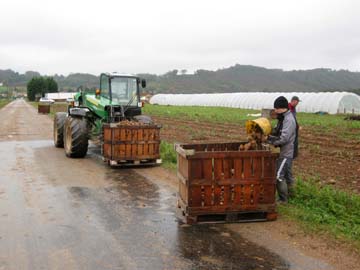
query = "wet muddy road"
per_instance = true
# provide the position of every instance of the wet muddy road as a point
(61, 213)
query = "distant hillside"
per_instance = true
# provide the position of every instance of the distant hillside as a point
(70, 82)
(75, 80)
(13, 78)
(238, 78)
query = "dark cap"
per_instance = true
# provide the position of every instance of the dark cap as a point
(295, 98)
(281, 103)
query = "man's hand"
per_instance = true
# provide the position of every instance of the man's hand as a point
(271, 139)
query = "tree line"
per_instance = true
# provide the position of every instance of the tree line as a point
(38, 86)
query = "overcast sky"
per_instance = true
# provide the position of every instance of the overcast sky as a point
(157, 36)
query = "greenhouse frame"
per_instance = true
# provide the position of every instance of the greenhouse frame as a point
(311, 102)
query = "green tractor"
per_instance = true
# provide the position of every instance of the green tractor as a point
(116, 101)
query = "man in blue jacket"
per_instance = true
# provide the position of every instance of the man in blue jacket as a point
(284, 138)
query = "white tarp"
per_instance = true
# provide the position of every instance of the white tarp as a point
(330, 102)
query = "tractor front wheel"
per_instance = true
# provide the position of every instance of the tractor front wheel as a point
(59, 121)
(75, 137)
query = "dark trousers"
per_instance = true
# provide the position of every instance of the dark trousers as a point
(284, 177)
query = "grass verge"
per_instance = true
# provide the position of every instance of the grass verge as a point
(325, 210)
(34, 104)
(4, 102)
(54, 108)
(168, 155)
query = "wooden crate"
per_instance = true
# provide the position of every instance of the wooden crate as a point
(44, 108)
(131, 143)
(222, 183)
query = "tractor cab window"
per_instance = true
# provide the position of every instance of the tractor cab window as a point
(124, 91)
(104, 85)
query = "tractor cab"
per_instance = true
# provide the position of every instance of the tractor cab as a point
(123, 94)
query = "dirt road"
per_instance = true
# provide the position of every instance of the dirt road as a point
(61, 213)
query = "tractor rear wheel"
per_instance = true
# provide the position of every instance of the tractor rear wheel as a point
(75, 137)
(59, 121)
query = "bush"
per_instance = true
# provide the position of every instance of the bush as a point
(40, 86)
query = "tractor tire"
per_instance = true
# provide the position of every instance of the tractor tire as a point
(76, 138)
(59, 121)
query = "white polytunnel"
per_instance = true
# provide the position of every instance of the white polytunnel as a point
(330, 102)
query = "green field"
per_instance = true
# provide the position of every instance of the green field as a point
(211, 114)
(234, 115)
(3, 88)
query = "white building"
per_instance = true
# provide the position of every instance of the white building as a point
(58, 97)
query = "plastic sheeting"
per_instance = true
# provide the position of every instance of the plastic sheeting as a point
(330, 102)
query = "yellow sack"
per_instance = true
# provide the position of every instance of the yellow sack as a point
(262, 123)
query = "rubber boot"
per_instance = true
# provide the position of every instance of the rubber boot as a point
(282, 189)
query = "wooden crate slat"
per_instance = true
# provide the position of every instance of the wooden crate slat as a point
(247, 167)
(238, 168)
(107, 134)
(183, 167)
(228, 168)
(269, 167)
(257, 167)
(183, 191)
(128, 134)
(122, 134)
(195, 197)
(218, 169)
(107, 150)
(196, 169)
(151, 148)
(207, 169)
